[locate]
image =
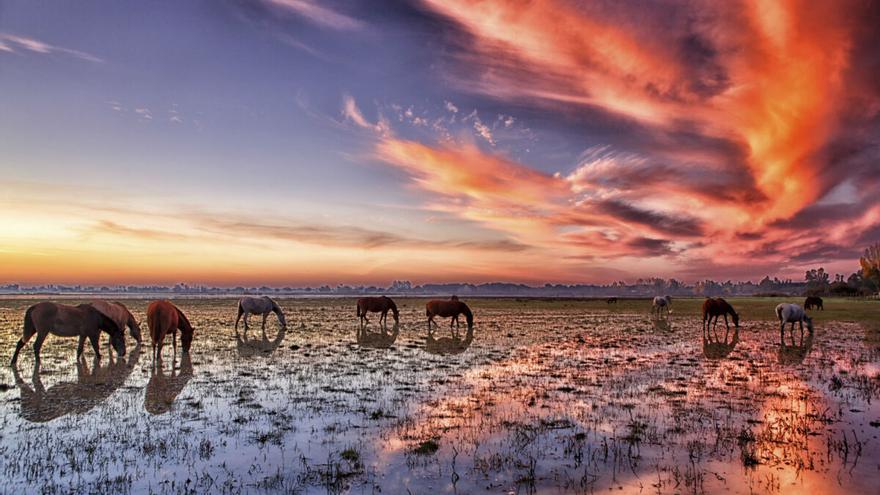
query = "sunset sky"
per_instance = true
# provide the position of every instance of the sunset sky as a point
(303, 142)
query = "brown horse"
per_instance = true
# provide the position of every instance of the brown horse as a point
(68, 321)
(164, 317)
(611, 300)
(812, 302)
(117, 312)
(715, 307)
(380, 304)
(451, 308)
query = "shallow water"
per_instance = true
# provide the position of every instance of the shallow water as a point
(539, 400)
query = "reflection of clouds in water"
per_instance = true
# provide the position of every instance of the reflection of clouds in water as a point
(248, 347)
(92, 387)
(162, 389)
(377, 340)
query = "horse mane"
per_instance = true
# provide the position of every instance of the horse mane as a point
(183, 322)
(467, 313)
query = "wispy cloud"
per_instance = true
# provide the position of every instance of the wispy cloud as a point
(12, 43)
(318, 14)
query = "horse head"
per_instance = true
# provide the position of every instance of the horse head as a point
(105, 323)
(735, 319)
(809, 322)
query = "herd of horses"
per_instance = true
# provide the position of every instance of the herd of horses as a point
(163, 318)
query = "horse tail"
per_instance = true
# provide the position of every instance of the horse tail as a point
(240, 308)
(29, 327)
(779, 312)
(358, 308)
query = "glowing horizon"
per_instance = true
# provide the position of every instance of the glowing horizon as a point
(305, 143)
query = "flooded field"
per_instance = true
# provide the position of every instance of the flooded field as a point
(542, 397)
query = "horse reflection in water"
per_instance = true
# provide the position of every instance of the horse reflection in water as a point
(661, 324)
(449, 345)
(797, 351)
(377, 340)
(91, 388)
(715, 348)
(162, 389)
(247, 347)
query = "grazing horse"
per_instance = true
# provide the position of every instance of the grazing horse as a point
(611, 300)
(661, 302)
(715, 307)
(259, 306)
(380, 304)
(451, 308)
(68, 321)
(164, 317)
(813, 302)
(792, 313)
(117, 312)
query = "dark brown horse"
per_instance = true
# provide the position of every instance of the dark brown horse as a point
(381, 304)
(164, 317)
(813, 302)
(449, 309)
(715, 307)
(68, 321)
(611, 300)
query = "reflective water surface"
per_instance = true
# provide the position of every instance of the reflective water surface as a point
(532, 400)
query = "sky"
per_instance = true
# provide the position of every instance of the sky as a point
(304, 142)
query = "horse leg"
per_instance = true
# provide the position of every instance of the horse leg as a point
(237, 318)
(80, 347)
(41, 336)
(96, 345)
(174, 343)
(245, 321)
(25, 336)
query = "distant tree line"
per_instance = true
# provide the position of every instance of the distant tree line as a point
(864, 282)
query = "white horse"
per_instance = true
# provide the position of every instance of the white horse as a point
(792, 313)
(260, 306)
(661, 302)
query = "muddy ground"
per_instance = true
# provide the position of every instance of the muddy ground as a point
(542, 397)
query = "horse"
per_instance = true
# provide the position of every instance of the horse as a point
(91, 388)
(448, 345)
(163, 389)
(451, 308)
(715, 307)
(68, 321)
(164, 317)
(260, 306)
(661, 302)
(792, 313)
(611, 300)
(117, 312)
(381, 304)
(378, 340)
(813, 302)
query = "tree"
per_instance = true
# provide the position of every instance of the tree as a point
(871, 263)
